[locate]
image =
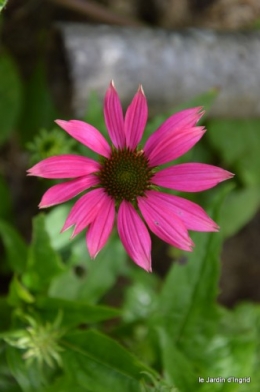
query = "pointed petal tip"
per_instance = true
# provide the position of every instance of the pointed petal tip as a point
(140, 89)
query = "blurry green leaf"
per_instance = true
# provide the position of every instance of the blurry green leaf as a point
(10, 96)
(238, 143)
(54, 222)
(232, 350)
(30, 378)
(5, 205)
(74, 312)
(187, 314)
(7, 382)
(67, 384)
(15, 246)
(39, 110)
(18, 293)
(43, 262)
(100, 364)
(98, 275)
(238, 208)
(5, 311)
(2, 4)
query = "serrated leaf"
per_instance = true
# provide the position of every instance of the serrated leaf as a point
(10, 95)
(43, 262)
(74, 312)
(15, 246)
(101, 364)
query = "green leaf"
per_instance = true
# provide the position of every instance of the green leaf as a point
(43, 262)
(100, 364)
(67, 384)
(238, 143)
(10, 95)
(18, 293)
(238, 209)
(7, 382)
(74, 312)
(15, 247)
(2, 4)
(98, 275)
(187, 313)
(30, 378)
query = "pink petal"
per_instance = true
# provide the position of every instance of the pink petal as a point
(191, 177)
(164, 223)
(134, 235)
(135, 119)
(85, 210)
(63, 192)
(114, 119)
(191, 214)
(174, 144)
(100, 229)
(182, 120)
(64, 166)
(87, 135)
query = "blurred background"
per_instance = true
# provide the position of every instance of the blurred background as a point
(36, 86)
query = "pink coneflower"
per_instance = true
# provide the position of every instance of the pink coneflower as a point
(126, 179)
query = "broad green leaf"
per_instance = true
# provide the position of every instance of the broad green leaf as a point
(187, 313)
(96, 277)
(101, 364)
(238, 209)
(10, 95)
(54, 221)
(238, 143)
(43, 262)
(15, 247)
(67, 384)
(74, 312)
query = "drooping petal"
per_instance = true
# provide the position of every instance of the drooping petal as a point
(191, 214)
(174, 144)
(184, 119)
(100, 229)
(114, 118)
(63, 192)
(64, 166)
(84, 210)
(87, 135)
(164, 223)
(134, 235)
(191, 177)
(135, 119)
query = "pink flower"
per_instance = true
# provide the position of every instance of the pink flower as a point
(126, 179)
